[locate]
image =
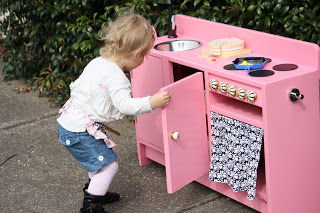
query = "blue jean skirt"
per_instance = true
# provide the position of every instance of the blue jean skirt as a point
(91, 153)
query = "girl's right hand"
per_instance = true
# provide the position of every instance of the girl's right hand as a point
(160, 99)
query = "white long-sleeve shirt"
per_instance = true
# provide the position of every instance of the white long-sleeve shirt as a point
(103, 92)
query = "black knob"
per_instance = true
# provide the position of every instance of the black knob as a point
(295, 95)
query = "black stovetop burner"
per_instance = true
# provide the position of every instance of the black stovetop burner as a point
(229, 67)
(285, 67)
(265, 73)
(261, 73)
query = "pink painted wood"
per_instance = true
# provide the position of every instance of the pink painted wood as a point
(187, 158)
(290, 182)
(263, 43)
(148, 75)
(292, 144)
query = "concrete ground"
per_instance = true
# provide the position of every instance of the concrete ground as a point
(43, 177)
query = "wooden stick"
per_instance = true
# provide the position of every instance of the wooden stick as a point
(7, 159)
(112, 130)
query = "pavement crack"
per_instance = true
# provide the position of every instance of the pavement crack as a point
(27, 121)
(195, 205)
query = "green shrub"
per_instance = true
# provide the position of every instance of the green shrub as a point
(49, 42)
(41, 46)
(294, 19)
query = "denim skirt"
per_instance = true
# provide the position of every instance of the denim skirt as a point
(91, 153)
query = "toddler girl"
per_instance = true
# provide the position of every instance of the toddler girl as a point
(100, 95)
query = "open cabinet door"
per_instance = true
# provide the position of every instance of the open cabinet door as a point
(186, 158)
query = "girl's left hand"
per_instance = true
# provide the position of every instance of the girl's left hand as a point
(160, 99)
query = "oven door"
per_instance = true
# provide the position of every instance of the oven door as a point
(186, 158)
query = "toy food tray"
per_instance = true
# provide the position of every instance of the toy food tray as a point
(248, 63)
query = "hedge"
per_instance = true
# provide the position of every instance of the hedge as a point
(49, 42)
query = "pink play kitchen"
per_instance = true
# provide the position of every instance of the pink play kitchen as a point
(244, 123)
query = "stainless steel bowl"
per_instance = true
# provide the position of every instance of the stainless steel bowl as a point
(177, 45)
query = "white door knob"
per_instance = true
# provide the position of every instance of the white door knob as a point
(251, 96)
(213, 84)
(222, 87)
(175, 135)
(241, 93)
(231, 90)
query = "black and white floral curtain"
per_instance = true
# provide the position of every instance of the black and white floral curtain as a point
(235, 153)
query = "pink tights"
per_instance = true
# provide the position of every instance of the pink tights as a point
(101, 179)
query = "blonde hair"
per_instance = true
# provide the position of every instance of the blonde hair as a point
(130, 35)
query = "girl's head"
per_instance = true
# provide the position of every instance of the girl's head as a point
(129, 36)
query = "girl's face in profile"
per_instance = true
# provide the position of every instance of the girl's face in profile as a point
(133, 63)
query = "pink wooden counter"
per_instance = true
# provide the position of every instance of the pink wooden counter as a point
(289, 169)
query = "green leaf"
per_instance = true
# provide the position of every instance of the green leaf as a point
(301, 37)
(26, 32)
(267, 22)
(44, 47)
(289, 16)
(283, 2)
(315, 9)
(196, 2)
(48, 84)
(267, 5)
(289, 28)
(259, 11)
(296, 19)
(216, 8)
(260, 22)
(284, 10)
(252, 7)
(277, 8)
(31, 43)
(157, 23)
(302, 9)
(54, 14)
(227, 18)
(250, 23)
(82, 18)
(302, 17)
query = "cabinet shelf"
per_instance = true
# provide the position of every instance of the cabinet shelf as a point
(236, 109)
(260, 201)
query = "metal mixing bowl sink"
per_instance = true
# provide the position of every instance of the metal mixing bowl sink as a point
(177, 45)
